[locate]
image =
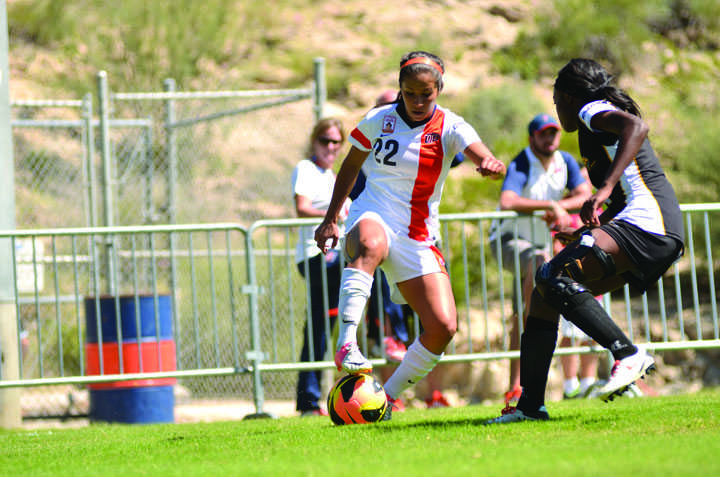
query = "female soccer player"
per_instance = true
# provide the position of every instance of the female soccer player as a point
(634, 240)
(410, 145)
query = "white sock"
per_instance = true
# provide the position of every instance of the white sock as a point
(418, 362)
(355, 286)
(585, 383)
(570, 385)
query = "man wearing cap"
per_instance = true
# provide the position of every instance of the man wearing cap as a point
(539, 178)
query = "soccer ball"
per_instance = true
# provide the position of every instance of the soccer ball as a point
(357, 399)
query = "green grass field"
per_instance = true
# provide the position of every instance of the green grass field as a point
(676, 435)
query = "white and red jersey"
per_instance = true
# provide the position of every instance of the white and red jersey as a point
(407, 167)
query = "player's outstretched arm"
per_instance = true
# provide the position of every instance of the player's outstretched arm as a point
(487, 164)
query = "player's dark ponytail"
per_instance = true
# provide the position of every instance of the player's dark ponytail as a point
(587, 80)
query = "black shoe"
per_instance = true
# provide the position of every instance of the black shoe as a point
(513, 414)
(388, 413)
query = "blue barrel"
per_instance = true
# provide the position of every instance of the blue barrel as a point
(139, 349)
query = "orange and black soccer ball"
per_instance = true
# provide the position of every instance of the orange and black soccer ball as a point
(357, 399)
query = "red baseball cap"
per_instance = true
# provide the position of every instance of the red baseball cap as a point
(542, 122)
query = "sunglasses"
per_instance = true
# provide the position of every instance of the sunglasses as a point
(327, 140)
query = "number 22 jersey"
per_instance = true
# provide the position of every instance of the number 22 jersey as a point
(407, 166)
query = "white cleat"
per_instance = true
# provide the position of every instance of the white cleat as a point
(624, 374)
(513, 414)
(633, 391)
(349, 359)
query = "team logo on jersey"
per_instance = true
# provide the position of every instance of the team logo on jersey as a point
(430, 138)
(388, 124)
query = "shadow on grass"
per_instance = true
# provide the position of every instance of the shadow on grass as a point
(567, 418)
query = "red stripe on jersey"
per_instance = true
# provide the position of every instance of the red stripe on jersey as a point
(430, 163)
(360, 137)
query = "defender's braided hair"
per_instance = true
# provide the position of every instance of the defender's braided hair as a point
(588, 81)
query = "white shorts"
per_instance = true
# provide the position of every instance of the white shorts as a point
(407, 258)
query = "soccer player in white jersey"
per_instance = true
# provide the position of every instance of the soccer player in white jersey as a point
(635, 239)
(409, 146)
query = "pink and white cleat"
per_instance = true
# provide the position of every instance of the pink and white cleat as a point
(349, 359)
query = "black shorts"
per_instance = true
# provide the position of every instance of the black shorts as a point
(652, 254)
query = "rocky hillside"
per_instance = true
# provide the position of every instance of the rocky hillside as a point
(362, 38)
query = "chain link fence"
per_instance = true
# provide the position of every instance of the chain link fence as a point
(160, 157)
(52, 148)
(219, 157)
(146, 158)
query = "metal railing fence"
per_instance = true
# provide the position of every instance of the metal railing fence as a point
(58, 276)
(239, 304)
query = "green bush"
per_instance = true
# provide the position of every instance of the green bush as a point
(612, 32)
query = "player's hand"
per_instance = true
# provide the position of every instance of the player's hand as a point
(491, 168)
(326, 236)
(590, 211)
(556, 216)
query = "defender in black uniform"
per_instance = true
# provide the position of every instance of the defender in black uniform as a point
(636, 238)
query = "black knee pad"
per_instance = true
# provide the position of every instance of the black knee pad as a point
(565, 294)
(568, 261)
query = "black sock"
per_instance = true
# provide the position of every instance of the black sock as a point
(588, 315)
(537, 345)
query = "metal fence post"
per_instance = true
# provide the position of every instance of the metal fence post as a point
(172, 175)
(104, 113)
(170, 151)
(320, 91)
(107, 174)
(89, 149)
(255, 356)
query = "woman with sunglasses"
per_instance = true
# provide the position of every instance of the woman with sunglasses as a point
(312, 184)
